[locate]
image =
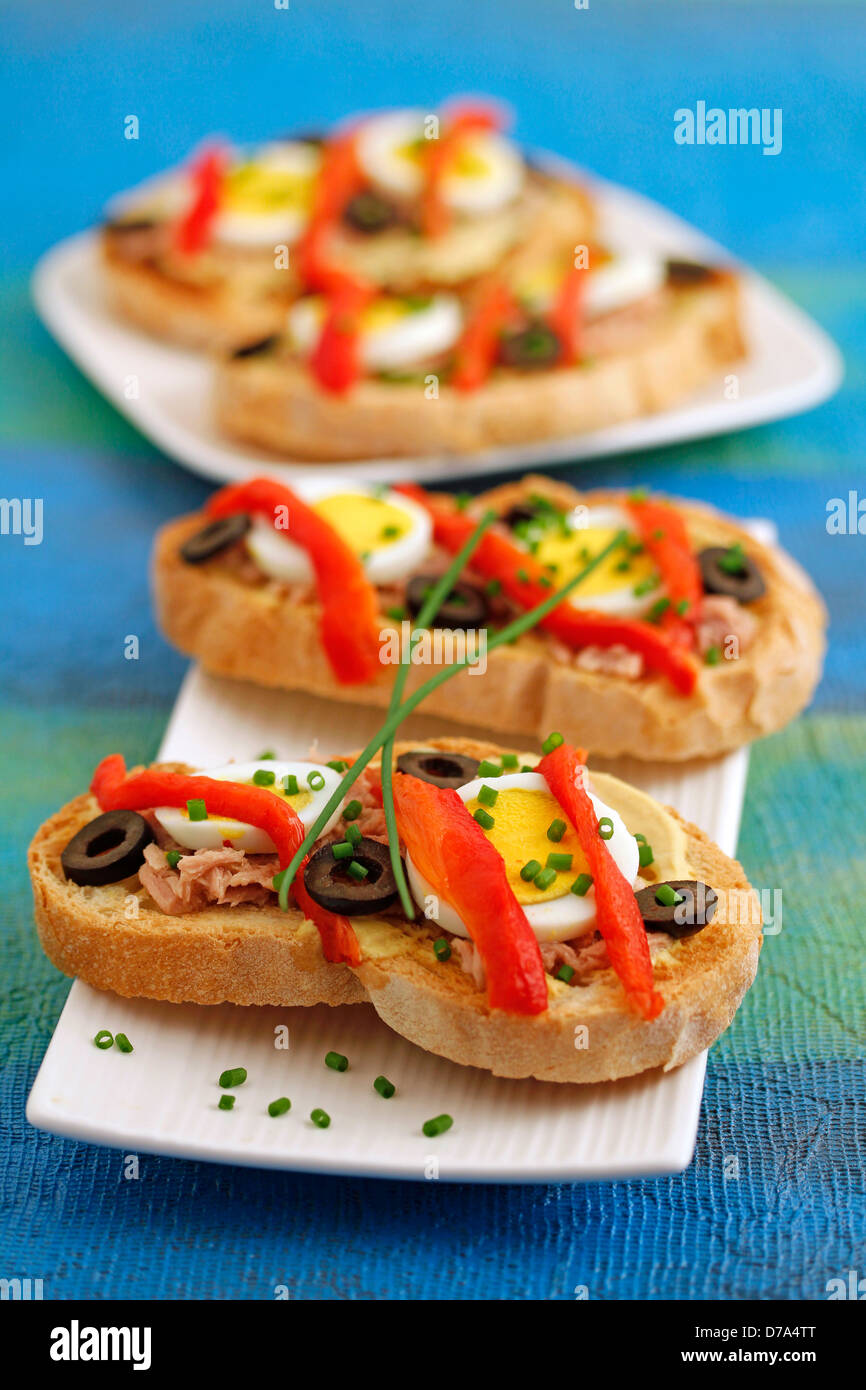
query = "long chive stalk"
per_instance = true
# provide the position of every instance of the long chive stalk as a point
(507, 634)
(427, 613)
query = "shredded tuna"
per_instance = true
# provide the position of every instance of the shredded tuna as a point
(722, 618)
(221, 877)
(616, 660)
(470, 960)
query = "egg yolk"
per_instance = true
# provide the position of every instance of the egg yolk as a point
(365, 522)
(254, 188)
(521, 819)
(566, 553)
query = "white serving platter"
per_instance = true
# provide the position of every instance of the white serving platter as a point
(163, 1097)
(166, 391)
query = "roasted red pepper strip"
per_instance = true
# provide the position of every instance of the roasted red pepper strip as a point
(452, 852)
(566, 316)
(336, 359)
(339, 942)
(497, 557)
(349, 622)
(476, 350)
(339, 179)
(663, 532)
(154, 787)
(193, 231)
(618, 916)
(253, 805)
(462, 120)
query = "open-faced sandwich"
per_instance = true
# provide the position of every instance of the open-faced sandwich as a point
(507, 911)
(670, 632)
(404, 202)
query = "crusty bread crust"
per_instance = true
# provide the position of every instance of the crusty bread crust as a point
(259, 634)
(248, 955)
(274, 403)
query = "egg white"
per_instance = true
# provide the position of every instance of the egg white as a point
(211, 833)
(281, 559)
(563, 917)
(622, 281)
(238, 227)
(382, 153)
(412, 337)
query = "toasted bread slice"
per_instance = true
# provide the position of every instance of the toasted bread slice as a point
(250, 955)
(272, 401)
(264, 634)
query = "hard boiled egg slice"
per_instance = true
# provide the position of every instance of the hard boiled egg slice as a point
(612, 283)
(626, 583)
(389, 532)
(315, 785)
(522, 813)
(395, 331)
(267, 198)
(486, 174)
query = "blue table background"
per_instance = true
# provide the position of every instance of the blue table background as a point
(785, 1088)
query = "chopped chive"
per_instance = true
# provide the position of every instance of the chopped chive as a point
(356, 870)
(398, 613)
(104, 1040)
(659, 533)
(545, 582)
(658, 610)
(509, 760)
(442, 948)
(389, 532)
(645, 855)
(290, 784)
(173, 858)
(640, 494)
(552, 741)
(488, 769)
(462, 500)
(235, 1076)
(484, 819)
(545, 878)
(267, 757)
(352, 811)
(646, 586)
(123, 1042)
(493, 587)
(353, 834)
(196, 809)
(556, 830)
(345, 850)
(385, 1087)
(336, 1061)
(667, 896)
(227, 1102)
(522, 576)
(487, 795)
(337, 765)
(565, 973)
(277, 881)
(527, 767)
(438, 1125)
(264, 777)
(605, 828)
(530, 869)
(560, 862)
(581, 885)
(712, 656)
(734, 559)
(279, 1107)
(315, 781)
(321, 1118)
(683, 606)
(623, 566)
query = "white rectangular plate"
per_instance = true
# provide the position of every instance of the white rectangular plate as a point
(162, 1098)
(792, 366)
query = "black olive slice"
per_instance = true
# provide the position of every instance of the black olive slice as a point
(685, 273)
(107, 850)
(216, 536)
(369, 213)
(329, 883)
(258, 348)
(440, 769)
(531, 347)
(694, 910)
(520, 512)
(464, 607)
(731, 572)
